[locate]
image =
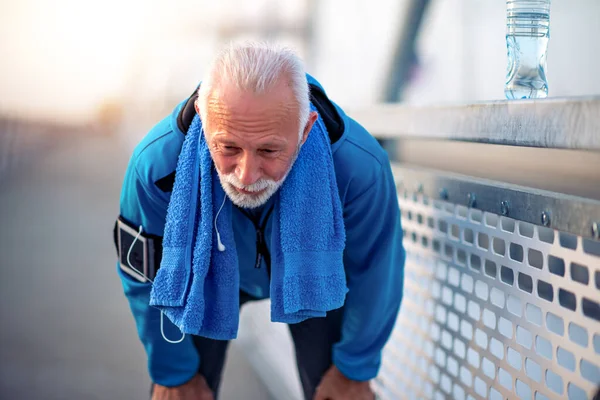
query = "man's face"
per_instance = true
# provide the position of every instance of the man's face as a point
(253, 140)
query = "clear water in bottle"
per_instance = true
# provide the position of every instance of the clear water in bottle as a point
(527, 34)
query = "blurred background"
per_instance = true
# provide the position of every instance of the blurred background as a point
(81, 82)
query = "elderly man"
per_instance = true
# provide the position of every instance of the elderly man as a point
(259, 186)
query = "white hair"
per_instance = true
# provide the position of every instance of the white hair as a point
(256, 67)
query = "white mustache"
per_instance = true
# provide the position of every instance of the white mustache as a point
(257, 186)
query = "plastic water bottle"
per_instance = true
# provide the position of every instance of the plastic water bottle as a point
(527, 34)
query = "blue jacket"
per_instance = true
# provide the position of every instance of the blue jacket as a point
(374, 256)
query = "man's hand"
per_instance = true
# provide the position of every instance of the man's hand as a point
(335, 386)
(196, 389)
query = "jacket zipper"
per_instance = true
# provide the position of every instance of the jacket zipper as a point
(262, 250)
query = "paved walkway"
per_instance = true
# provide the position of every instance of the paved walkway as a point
(66, 331)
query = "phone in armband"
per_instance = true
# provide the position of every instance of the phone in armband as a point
(136, 252)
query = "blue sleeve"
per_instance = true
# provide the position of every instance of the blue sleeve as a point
(374, 262)
(168, 364)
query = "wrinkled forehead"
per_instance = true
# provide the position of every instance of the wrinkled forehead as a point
(229, 105)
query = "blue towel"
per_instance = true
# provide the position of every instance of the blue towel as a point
(197, 286)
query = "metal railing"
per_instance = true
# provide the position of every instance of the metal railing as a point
(501, 211)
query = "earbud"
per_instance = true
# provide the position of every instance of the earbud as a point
(220, 244)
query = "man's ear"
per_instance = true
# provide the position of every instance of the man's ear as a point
(312, 118)
(196, 107)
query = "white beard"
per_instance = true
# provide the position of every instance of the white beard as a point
(268, 186)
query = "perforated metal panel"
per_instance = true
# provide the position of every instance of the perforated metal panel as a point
(493, 308)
